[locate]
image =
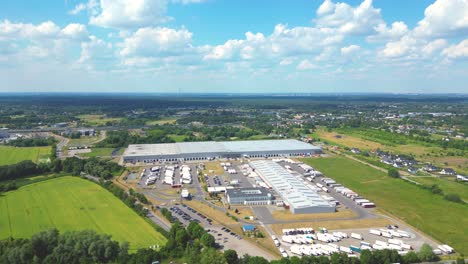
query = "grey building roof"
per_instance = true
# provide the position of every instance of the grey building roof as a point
(247, 192)
(288, 186)
(181, 148)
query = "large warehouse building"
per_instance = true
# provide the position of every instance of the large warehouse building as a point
(296, 195)
(212, 149)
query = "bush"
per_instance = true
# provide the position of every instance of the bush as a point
(435, 189)
(453, 198)
(426, 253)
(394, 173)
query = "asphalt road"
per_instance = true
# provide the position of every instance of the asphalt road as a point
(158, 221)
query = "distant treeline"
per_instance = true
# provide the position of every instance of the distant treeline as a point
(32, 142)
(162, 134)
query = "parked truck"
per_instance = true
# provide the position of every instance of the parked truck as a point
(355, 249)
(356, 236)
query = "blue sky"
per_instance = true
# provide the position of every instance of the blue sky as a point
(234, 46)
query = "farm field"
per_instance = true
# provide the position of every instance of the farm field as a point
(97, 120)
(12, 155)
(423, 210)
(177, 138)
(447, 185)
(352, 141)
(70, 203)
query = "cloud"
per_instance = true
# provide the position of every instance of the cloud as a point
(96, 54)
(11, 30)
(349, 50)
(186, 2)
(444, 18)
(399, 48)
(127, 14)
(91, 6)
(306, 65)
(75, 31)
(434, 46)
(283, 42)
(459, 51)
(45, 30)
(160, 41)
(395, 32)
(325, 8)
(360, 20)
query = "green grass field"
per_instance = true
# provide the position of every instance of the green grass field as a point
(97, 120)
(177, 138)
(70, 203)
(448, 185)
(445, 221)
(12, 155)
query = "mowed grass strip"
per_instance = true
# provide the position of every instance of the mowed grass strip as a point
(11, 155)
(446, 221)
(70, 203)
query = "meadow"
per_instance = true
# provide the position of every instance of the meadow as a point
(98, 120)
(430, 213)
(448, 185)
(11, 155)
(70, 203)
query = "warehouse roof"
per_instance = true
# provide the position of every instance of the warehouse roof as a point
(291, 189)
(247, 192)
(217, 147)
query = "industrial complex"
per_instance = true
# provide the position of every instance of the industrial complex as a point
(295, 194)
(206, 150)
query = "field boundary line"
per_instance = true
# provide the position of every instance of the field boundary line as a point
(9, 218)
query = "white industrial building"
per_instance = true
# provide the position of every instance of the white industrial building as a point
(206, 150)
(295, 194)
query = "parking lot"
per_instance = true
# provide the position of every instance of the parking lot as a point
(185, 214)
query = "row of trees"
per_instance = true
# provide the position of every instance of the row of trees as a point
(93, 166)
(32, 142)
(132, 199)
(190, 245)
(21, 170)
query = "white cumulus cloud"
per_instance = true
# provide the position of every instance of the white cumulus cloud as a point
(124, 14)
(359, 20)
(459, 51)
(383, 33)
(349, 50)
(444, 18)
